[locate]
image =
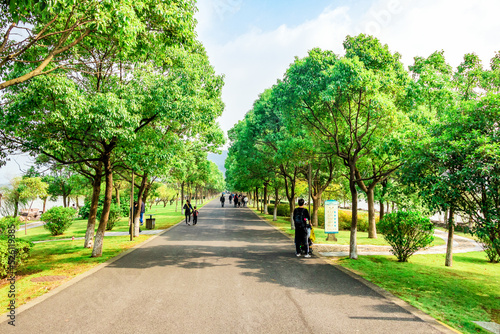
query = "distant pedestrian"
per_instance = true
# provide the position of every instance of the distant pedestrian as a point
(188, 209)
(235, 200)
(230, 198)
(222, 200)
(245, 201)
(195, 216)
(240, 200)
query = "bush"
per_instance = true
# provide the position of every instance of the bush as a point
(58, 219)
(283, 210)
(489, 248)
(406, 232)
(85, 209)
(115, 213)
(6, 223)
(22, 252)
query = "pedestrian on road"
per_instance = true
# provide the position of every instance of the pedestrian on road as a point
(222, 200)
(230, 198)
(301, 220)
(235, 200)
(195, 216)
(245, 201)
(188, 208)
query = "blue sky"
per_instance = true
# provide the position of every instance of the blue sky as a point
(252, 42)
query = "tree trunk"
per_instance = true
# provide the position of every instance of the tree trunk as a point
(372, 226)
(99, 238)
(65, 199)
(381, 215)
(16, 208)
(316, 204)
(140, 195)
(182, 195)
(449, 245)
(256, 197)
(276, 203)
(353, 248)
(117, 192)
(45, 204)
(265, 198)
(94, 203)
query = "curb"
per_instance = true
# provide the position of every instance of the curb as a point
(436, 324)
(78, 278)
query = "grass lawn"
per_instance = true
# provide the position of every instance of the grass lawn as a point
(343, 237)
(164, 218)
(69, 258)
(468, 291)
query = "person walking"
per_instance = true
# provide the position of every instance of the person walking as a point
(235, 200)
(187, 211)
(195, 216)
(301, 220)
(245, 201)
(230, 198)
(222, 200)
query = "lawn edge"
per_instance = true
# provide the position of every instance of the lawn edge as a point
(436, 324)
(83, 275)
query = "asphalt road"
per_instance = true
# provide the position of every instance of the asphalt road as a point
(231, 273)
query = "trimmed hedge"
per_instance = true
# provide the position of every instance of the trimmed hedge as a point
(283, 210)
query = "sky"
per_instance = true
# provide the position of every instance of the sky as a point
(253, 42)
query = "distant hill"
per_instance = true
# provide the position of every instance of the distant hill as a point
(219, 160)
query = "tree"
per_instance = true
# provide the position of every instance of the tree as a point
(352, 106)
(97, 115)
(52, 32)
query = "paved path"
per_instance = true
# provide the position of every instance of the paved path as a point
(231, 273)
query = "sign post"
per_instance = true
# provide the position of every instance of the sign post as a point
(331, 216)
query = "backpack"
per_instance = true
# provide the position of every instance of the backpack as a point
(298, 219)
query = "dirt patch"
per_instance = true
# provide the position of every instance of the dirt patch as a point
(495, 316)
(47, 278)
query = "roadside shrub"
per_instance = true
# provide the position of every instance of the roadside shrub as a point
(489, 248)
(58, 219)
(345, 217)
(406, 232)
(283, 210)
(22, 251)
(115, 213)
(85, 209)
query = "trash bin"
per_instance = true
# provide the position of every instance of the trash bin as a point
(150, 223)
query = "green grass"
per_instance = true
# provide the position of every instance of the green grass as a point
(164, 216)
(468, 291)
(343, 237)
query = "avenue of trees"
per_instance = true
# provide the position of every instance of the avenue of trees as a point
(426, 138)
(106, 92)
